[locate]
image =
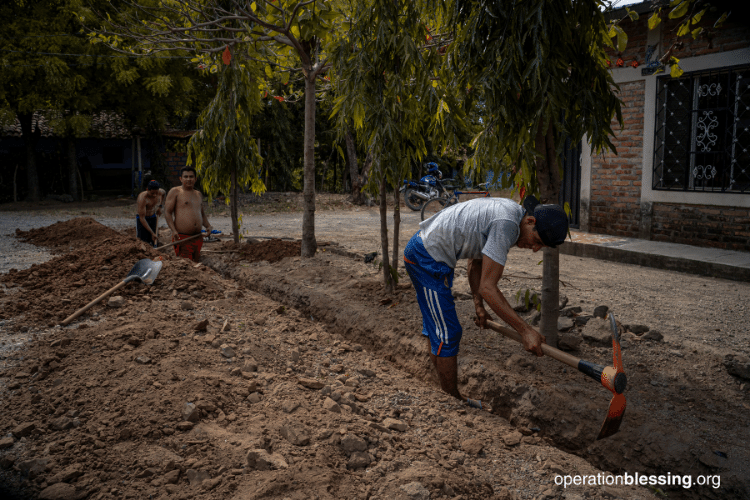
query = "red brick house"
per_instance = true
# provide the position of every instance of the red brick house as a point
(682, 172)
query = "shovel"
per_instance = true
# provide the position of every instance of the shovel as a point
(611, 377)
(145, 271)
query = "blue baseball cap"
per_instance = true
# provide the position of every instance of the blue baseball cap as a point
(551, 221)
(153, 185)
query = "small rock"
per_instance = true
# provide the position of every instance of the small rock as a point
(394, 424)
(186, 305)
(6, 442)
(190, 413)
(637, 329)
(352, 443)
(512, 438)
(311, 383)
(61, 424)
(597, 332)
(196, 477)
(116, 301)
(23, 430)
(564, 324)
(358, 460)
(201, 326)
(58, 491)
(710, 459)
(148, 472)
(143, 360)
(253, 398)
(571, 311)
(654, 335)
(738, 365)
(172, 476)
(601, 312)
(331, 405)
(249, 366)
(206, 406)
(289, 406)
(68, 474)
(260, 459)
(569, 341)
(226, 351)
(184, 426)
(295, 355)
(416, 491)
(472, 446)
(298, 437)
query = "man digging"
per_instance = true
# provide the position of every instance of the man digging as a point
(149, 203)
(185, 215)
(483, 231)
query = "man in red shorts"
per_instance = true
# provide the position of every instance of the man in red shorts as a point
(185, 215)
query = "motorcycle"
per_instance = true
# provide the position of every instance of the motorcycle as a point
(427, 188)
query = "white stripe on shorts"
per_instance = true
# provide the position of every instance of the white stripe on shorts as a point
(442, 319)
(432, 313)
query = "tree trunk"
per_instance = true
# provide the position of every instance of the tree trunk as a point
(351, 156)
(233, 203)
(384, 235)
(548, 176)
(396, 229)
(29, 140)
(73, 187)
(309, 245)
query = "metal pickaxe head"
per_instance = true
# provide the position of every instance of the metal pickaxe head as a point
(614, 379)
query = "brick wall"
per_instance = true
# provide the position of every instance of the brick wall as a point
(616, 179)
(710, 226)
(175, 161)
(731, 36)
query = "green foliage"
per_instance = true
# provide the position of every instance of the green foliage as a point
(535, 62)
(224, 142)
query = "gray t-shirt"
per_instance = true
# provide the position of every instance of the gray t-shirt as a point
(488, 226)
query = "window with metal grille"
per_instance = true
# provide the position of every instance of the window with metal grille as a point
(703, 131)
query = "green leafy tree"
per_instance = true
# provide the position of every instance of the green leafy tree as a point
(390, 85)
(225, 154)
(285, 35)
(50, 66)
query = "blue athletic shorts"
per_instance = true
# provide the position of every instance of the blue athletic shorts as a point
(433, 281)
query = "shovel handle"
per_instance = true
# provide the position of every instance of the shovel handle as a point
(191, 238)
(94, 302)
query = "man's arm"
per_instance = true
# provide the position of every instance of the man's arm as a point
(142, 214)
(169, 207)
(491, 272)
(162, 197)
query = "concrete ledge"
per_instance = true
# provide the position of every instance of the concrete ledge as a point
(678, 264)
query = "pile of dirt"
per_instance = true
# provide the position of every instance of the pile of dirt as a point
(270, 250)
(70, 234)
(51, 291)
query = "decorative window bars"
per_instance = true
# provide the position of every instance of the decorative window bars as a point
(703, 131)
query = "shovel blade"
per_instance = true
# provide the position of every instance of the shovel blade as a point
(145, 271)
(614, 417)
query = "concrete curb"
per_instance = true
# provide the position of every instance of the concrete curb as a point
(678, 264)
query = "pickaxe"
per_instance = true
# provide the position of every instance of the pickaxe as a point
(611, 377)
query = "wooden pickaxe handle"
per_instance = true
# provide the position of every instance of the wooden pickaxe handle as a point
(191, 238)
(616, 382)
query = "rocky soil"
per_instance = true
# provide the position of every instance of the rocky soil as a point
(257, 374)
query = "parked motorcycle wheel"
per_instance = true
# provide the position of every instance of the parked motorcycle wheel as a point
(433, 206)
(413, 201)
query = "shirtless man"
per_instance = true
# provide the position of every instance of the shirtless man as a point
(185, 215)
(150, 202)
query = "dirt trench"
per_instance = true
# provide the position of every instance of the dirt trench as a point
(677, 416)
